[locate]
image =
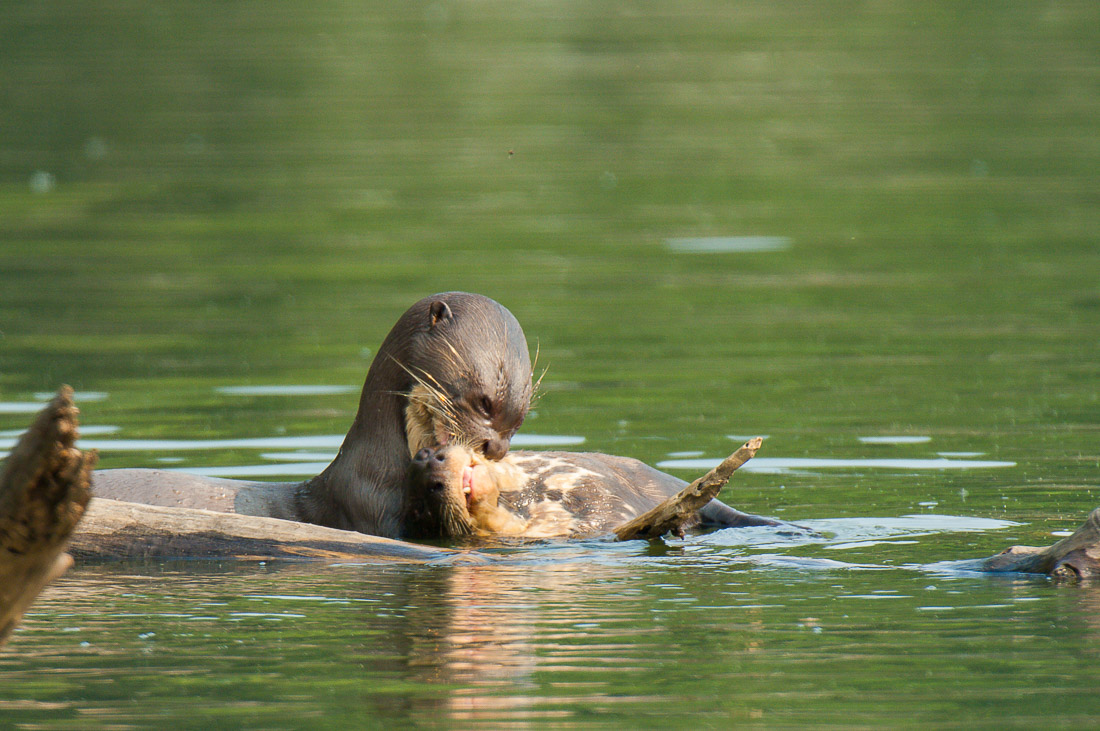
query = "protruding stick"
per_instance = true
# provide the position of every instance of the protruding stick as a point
(681, 507)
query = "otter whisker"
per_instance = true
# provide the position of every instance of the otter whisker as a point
(463, 440)
(418, 398)
(437, 413)
(458, 359)
(428, 405)
(536, 388)
(437, 391)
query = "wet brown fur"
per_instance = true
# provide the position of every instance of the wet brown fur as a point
(453, 370)
(455, 365)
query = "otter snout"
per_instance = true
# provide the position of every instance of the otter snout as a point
(495, 449)
(431, 464)
(427, 453)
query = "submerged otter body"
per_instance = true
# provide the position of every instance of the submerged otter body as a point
(455, 365)
(454, 492)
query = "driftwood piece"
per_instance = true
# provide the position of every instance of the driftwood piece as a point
(113, 529)
(671, 515)
(1073, 558)
(44, 488)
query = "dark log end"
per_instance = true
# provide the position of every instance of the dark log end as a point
(45, 485)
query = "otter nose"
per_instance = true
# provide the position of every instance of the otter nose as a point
(495, 448)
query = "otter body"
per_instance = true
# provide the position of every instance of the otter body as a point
(455, 366)
(454, 492)
(453, 371)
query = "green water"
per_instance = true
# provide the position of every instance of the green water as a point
(211, 195)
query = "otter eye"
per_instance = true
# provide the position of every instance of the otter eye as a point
(485, 406)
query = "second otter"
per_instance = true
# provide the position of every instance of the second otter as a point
(454, 492)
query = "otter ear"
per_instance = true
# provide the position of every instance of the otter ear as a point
(440, 312)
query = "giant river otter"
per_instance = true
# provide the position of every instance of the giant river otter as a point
(455, 492)
(454, 365)
(454, 372)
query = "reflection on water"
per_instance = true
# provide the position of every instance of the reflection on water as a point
(8, 436)
(564, 633)
(78, 396)
(729, 244)
(894, 440)
(300, 462)
(332, 441)
(299, 456)
(33, 407)
(846, 533)
(20, 407)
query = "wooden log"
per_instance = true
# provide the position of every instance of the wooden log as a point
(671, 514)
(44, 488)
(113, 529)
(1073, 558)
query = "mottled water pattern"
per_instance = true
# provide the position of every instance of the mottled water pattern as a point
(574, 638)
(867, 232)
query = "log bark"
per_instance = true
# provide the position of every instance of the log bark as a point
(673, 513)
(44, 489)
(113, 529)
(1074, 558)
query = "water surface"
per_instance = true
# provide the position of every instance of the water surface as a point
(211, 215)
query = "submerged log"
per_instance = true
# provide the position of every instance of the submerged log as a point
(1072, 559)
(113, 529)
(671, 515)
(44, 488)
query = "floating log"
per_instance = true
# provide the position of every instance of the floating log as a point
(671, 515)
(113, 529)
(1071, 559)
(44, 488)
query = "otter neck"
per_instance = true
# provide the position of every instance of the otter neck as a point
(363, 488)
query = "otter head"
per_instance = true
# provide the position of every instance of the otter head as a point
(469, 375)
(448, 488)
(454, 369)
